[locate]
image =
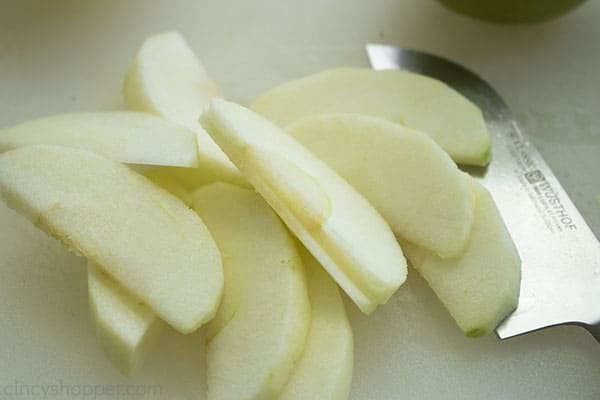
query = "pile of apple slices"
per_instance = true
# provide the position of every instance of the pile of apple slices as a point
(194, 211)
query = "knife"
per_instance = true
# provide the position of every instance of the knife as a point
(560, 277)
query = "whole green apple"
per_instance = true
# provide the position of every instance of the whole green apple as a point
(512, 11)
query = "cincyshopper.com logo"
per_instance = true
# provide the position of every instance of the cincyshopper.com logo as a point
(64, 390)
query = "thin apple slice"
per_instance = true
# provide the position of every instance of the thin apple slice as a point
(414, 100)
(167, 79)
(144, 237)
(128, 137)
(325, 369)
(409, 179)
(260, 329)
(338, 226)
(126, 328)
(480, 287)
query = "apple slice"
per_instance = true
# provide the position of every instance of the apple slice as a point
(144, 237)
(480, 287)
(126, 328)
(167, 79)
(414, 100)
(129, 137)
(409, 179)
(260, 329)
(325, 369)
(338, 226)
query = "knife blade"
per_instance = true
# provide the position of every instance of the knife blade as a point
(560, 281)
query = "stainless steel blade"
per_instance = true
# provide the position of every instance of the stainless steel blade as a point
(560, 254)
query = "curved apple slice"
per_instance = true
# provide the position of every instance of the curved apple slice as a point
(167, 79)
(260, 329)
(414, 100)
(325, 369)
(141, 235)
(480, 287)
(409, 179)
(337, 225)
(128, 137)
(126, 328)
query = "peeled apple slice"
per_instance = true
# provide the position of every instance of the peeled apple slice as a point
(337, 225)
(325, 369)
(261, 326)
(167, 79)
(128, 137)
(411, 181)
(410, 99)
(141, 235)
(480, 287)
(126, 328)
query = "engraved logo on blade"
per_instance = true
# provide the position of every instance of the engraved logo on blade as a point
(534, 176)
(548, 202)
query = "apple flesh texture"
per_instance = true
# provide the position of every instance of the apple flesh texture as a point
(126, 328)
(480, 287)
(141, 235)
(336, 224)
(411, 181)
(325, 369)
(167, 79)
(417, 101)
(128, 137)
(260, 329)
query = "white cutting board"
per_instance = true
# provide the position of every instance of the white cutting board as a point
(58, 56)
